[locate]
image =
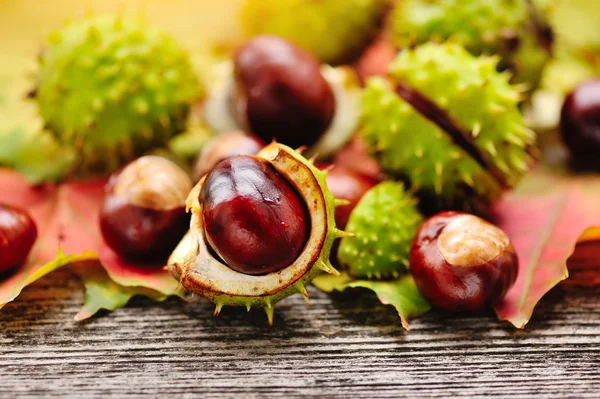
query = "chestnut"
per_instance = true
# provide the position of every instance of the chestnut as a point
(461, 263)
(223, 146)
(580, 123)
(280, 92)
(142, 216)
(18, 233)
(253, 218)
(347, 184)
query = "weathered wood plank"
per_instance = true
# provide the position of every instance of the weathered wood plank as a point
(341, 347)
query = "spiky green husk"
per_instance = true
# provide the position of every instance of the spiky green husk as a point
(479, 26)
(114, 88)
(504, 27)
(335, 31)
(384, 223)
(183, 266)
(478, 98)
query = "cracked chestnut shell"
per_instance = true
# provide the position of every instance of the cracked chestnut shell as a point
(201, 271)
(461, 263)
(580, 124)
(281, 92)
(18, 233)
(142, 217)
(253, 218)
(223, 146)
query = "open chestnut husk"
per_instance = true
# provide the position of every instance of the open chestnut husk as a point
(278, 91)
(262, 227)
(224, 146)
(580, 124)
(142, 216)
(18, 233)
(461, 263)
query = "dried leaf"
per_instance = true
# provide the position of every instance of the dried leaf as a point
(11, 287)
(544, 218)
(66, 217)
(130, 274)
(101, 292)
(401, 294)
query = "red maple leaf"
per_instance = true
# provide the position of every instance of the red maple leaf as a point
(66, 216)
(545, 218)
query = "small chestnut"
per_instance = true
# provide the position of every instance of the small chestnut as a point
(142, 216)
(461, 263)
(253, 218)
(348, 185)
(580, 123)
(18, 233)
(223, 146)
(281, 92)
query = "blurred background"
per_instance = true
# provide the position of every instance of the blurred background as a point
(24, 24)
(206, 26)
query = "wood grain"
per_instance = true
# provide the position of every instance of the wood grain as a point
(345, 346)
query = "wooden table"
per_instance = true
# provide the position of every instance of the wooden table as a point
(342, 347)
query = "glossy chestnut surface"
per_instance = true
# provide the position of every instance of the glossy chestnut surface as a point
(224, 146)
(18, 233)
(580, 123)
(348, 185)
(254, 219)
(281, 92)
(461, 263)
(142, 217)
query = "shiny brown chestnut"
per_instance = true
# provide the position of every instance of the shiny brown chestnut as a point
(461, 263)
(18, 233)
(349, 185)
(223, 146)
(580, 124)
(142, 217)
(281, 92)
(253, 218)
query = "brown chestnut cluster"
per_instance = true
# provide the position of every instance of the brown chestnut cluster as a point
(261, 218)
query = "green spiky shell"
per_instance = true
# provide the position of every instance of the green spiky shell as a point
(187, 255)
(477, 97)
(114, 88)
(384, 223)
(335, 31)
(482, 27)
